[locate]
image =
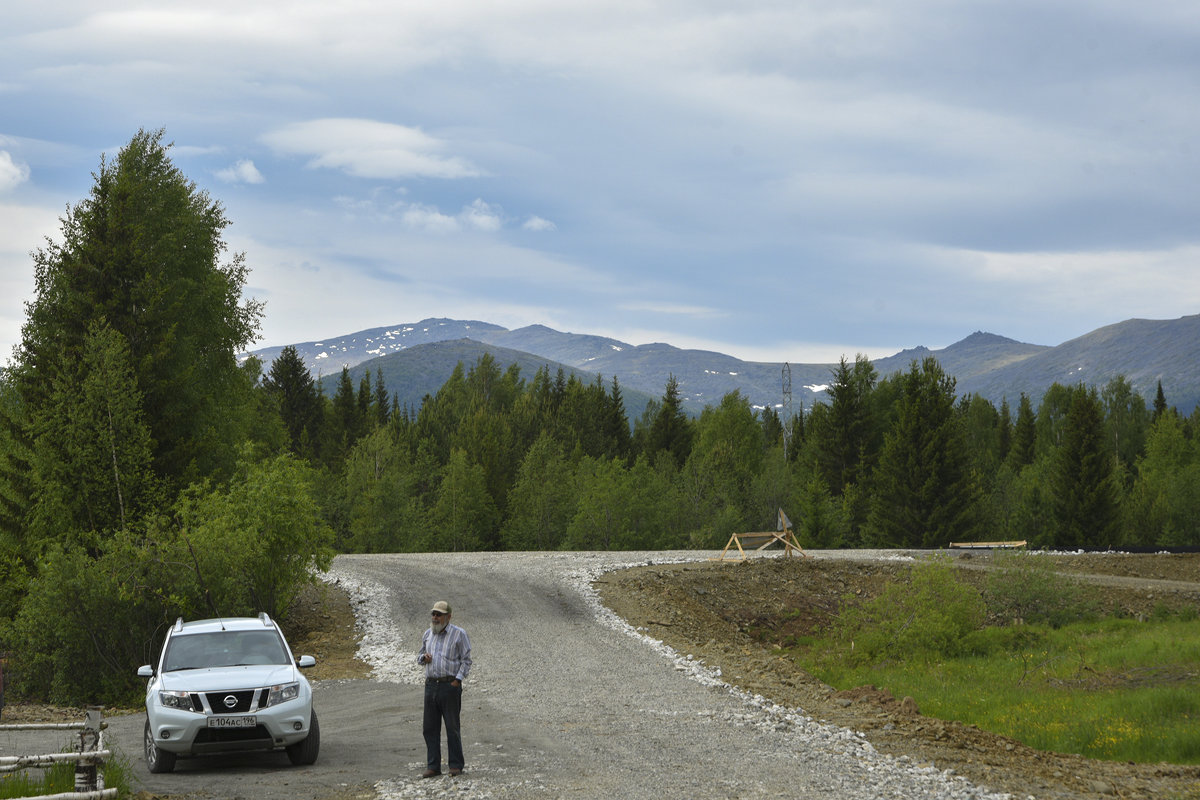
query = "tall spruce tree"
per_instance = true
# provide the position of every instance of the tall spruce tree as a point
(141, 255)
(1022, 450)
(294, 393)
(846, 437)
(670, 432)
(1083, 486)
(924, 492)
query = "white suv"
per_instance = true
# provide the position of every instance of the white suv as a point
(224, 685)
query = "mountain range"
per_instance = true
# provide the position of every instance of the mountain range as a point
(415, 359)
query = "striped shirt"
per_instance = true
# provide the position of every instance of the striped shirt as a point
(451, 652)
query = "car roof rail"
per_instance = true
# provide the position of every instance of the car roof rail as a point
(265, 619)
(178, 624)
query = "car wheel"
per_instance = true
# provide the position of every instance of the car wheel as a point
(305, 751)
(157, 759)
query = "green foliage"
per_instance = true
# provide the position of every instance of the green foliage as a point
(1024, 588)
(1113, 689)
(1083, 487)
(293, 392)
(463, 516)
(255, 543)
(822, 523)
(88, 622)
(142, 255)
(1164, 502)
(670, 432)
(928, 618)
(844, 438)
(925, 493)
(92, 462)
(542, 501)
(383, 508)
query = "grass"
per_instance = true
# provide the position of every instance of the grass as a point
(1113, 689)
(60, 778)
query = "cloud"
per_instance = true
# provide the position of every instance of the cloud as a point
(672, 308)
(243, 171)
(481, 216)
(478, 216)
(537, 224)
(427, 218)
(12, 174)
(369, 149)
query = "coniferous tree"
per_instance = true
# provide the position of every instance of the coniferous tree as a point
(1160, 402)
(670, 433)
(924, 492)
(142, 254)
(345, 415)
(845, 439)
(93, 467)
(363, 417)
(1006, 429)
(380, 402)
(1082, 483)
(1024, 436)
(292, 389)
(616, 423)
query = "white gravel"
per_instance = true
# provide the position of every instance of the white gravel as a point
(619, 713)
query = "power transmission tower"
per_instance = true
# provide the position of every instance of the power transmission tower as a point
(787, 406)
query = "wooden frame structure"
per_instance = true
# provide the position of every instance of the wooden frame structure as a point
(761, 540)
(986, 545)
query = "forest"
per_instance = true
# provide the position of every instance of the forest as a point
(146, 473)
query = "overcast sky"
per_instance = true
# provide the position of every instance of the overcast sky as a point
(792, 180)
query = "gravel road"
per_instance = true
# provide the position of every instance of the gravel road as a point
(564, 700)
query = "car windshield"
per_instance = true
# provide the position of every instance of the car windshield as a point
(224, 649)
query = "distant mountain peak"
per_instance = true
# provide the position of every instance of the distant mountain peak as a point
(984, 364)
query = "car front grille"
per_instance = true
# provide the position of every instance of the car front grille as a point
(216, 701)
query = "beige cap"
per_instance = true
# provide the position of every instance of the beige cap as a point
(441, 606)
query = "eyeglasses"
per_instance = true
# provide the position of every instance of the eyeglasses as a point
(437, 613)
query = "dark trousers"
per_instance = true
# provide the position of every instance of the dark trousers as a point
(443, 703)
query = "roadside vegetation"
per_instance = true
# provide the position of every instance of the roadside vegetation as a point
(59, 779)
(1028, 657)
(146, 473)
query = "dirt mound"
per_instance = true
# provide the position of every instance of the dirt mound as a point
(732, 614)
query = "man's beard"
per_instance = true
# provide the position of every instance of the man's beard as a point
(437, 627)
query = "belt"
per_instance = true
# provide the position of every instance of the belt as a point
(443, 679)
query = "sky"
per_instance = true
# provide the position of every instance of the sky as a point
(791, 180)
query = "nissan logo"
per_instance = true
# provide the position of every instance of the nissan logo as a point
(230, 701)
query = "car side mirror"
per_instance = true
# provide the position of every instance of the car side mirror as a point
(306, 661)
(145, 671)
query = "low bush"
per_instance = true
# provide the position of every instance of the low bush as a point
(932, 616)
(1024, 588)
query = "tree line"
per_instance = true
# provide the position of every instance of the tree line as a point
(146, 473)
(493, 461)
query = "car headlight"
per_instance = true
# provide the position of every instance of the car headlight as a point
(180, 700)
(282, 693)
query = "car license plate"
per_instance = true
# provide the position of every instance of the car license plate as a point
(232, 722)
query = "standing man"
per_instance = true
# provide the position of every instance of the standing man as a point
(446, 655)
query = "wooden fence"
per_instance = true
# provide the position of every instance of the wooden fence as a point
(89, 759)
